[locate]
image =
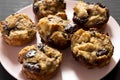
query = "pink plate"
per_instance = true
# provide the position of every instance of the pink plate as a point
(70, 69)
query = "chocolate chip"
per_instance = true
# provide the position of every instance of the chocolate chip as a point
(61, 1)
(93, 32)
(71, 27)
(41, 47)
(65, 36)
(32, 66)
(56, 57)
(49, 40)
(6, 29)
(32, 26)
(50, 19)
(102, 52)
(89, 11)
(52, 43)
(79, 20)
(30, 54)
(15, 28)
(35, 9)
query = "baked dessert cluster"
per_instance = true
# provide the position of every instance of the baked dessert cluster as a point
(40, 62)
(91, 48)
(43, 8)
(88, 45)
(17, 29)
(89, 15)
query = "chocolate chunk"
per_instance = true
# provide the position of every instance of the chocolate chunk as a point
(32, 66)
(52, 43)
(41, 47)
(30, 54)
(93, 32)
(15, 28)
(49, 40)
(6, 29)
(89, 11)
(65, 36)
(102, 52)
(79, 21)
(35, 9)
(71, 27)
(61, 1)
(50, 19)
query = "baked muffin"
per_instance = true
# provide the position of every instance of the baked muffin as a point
(17, 29)
(40, 62)
(91, 48)
(43, 8)
(89, 15)
(53, 31)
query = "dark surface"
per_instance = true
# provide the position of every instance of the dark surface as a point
(8, 7)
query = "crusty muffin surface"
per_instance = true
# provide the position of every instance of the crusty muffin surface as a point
(43, 8)
(92, 48)
(17, 29)
(40, 62)
(52, 31)
(90, 15)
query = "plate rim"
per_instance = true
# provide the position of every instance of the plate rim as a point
(9, 72)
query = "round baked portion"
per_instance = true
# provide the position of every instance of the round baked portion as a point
(17, 29)
(91, 48)
(39, 62)
(43, 8)
(53, 31)
(90, 15)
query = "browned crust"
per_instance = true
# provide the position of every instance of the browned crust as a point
(37, 76)
(59, 46)
(98, 26)
(101, 62)
(18, 41)
(39, 15)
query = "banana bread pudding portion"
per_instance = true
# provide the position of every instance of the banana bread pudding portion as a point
(90, 15)
(52, 30)
(43, 8)
(17, 29)
(91, 48)
(39, 62)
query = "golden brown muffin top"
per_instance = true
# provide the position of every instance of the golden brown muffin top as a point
(95, 13)
(51, 24)
(46, 7)
(91, 45)
(17, 25)
(40, 58)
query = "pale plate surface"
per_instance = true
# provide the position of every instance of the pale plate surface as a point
(70, 69)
